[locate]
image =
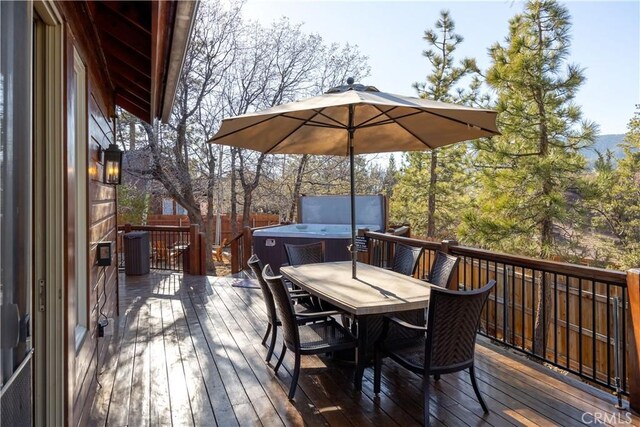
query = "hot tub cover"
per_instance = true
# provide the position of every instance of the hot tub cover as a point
(328, 231)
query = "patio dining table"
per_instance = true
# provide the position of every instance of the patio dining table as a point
(374, 293)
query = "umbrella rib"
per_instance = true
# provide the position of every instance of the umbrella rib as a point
(245, 128)
(403, 127)
(461, 122)
(389, 119)
(292, 132)
(340, 124)
(428, 112)
(364, 124)
(315, 123)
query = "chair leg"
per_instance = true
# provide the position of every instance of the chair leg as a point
(266, 334)
(425, 399)
(272, 345)
(472, 374)
(346, 321)
(294, 378)
(282, 352)
(377, 372)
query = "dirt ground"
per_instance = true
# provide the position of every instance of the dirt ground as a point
(223, 269)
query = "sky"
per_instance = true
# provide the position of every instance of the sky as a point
(605, 42)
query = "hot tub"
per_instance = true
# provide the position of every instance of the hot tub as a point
(268, 243)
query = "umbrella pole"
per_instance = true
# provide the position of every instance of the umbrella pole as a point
(354, 248)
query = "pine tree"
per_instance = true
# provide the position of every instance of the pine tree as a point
(527, 172)
(433, 216)
(390, 177)
(617, 197)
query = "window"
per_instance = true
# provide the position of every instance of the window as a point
(180, 210)
(171, 207)
(167, 207)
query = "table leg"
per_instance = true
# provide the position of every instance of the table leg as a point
(361, 352)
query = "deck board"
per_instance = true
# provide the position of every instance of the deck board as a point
(120, 400)
(187, 351)
(159, 404)
(250, 339)
(139, 409)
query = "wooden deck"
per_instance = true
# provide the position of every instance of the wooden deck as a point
(187, 352)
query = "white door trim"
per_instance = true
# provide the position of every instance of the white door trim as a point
(49, 110)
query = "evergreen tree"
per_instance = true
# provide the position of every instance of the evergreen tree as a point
(617, 193)
(390, 177)
(528, 171)
(428, 196)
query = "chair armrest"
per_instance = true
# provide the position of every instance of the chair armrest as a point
(300, 295)
(316, 315)
(404, 324)
(319, 313)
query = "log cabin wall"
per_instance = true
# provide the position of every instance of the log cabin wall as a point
(100, 204)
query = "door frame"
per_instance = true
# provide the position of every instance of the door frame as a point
(49, 142)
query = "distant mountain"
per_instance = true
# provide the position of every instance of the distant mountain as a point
(604, 142)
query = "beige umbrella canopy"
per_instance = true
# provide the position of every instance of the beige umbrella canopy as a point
(356, 119)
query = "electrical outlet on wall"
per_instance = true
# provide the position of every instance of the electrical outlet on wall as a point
(102, 324)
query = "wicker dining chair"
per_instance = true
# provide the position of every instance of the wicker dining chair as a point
(447, 344)
(405, 259)
(442, 269)
(324, 335)
(272, 318)
(304, 254)
(310, 253)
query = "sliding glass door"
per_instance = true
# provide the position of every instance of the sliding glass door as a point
(16, 221)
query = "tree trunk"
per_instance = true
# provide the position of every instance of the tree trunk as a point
(246, 209)
(433, 181)
(208, 241)
(132, 135)
(234, 195)
(208, 224)
(298, 184)
(249, 187)
(544, 293)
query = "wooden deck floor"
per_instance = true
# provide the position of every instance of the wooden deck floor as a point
(187, 352)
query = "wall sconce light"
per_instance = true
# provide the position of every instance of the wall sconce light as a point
(112, 165)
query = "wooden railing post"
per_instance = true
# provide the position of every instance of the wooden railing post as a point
(194, 249)
(445, 247)
(633, 337)
(235, 259)
(247, 237)
(204, 252)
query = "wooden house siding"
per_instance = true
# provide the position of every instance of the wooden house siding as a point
(103, 292)
(101, 222)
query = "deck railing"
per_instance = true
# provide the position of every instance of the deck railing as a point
(558, 313)
(170, 247)
(242, 246)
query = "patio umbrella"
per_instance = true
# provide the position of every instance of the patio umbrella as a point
(355, 119)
